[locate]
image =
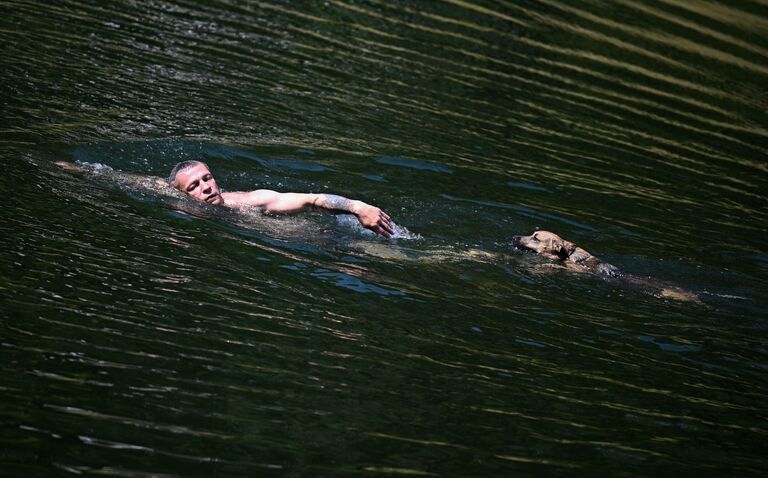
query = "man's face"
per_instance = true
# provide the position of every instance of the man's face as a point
(198, 182)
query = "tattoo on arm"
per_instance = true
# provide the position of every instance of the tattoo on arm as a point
(337, 203)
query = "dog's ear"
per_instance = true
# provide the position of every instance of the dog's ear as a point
(564, 250)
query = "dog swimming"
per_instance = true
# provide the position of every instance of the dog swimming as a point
(576, 259)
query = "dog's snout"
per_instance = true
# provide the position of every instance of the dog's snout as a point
(516, 240)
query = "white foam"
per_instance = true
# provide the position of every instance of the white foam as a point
(401, 232)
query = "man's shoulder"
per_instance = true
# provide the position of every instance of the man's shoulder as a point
(236, 198)
(234, 195)
(258, 197)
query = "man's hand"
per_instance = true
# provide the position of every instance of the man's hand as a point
(373, 218)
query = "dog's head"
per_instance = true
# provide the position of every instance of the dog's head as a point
(545, 243)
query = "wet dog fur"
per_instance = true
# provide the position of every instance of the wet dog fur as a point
(575, 258)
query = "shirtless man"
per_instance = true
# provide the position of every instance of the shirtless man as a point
(195, 179)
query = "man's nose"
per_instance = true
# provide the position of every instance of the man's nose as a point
(207, 189)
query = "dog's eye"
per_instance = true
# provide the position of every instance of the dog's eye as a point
(535, 238)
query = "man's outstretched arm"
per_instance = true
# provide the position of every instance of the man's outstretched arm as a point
(274, 202)
(369, 216)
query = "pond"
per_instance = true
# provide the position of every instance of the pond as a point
(143, 334)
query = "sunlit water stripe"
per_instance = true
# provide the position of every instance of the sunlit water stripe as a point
(719, 36)
(686, 162)
(696, 102)
(541, 45)
(724, 14)
(657, 105)
(668, 40)
(624, 145)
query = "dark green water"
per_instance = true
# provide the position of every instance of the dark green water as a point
(142, 335)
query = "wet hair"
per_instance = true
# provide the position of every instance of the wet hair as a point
(181, 167)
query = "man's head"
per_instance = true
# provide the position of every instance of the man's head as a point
(195, 179)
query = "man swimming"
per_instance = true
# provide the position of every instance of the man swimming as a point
(194, 178)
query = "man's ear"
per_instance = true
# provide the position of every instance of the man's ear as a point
(565, 249)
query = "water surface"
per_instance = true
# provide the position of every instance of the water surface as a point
(144, 335)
